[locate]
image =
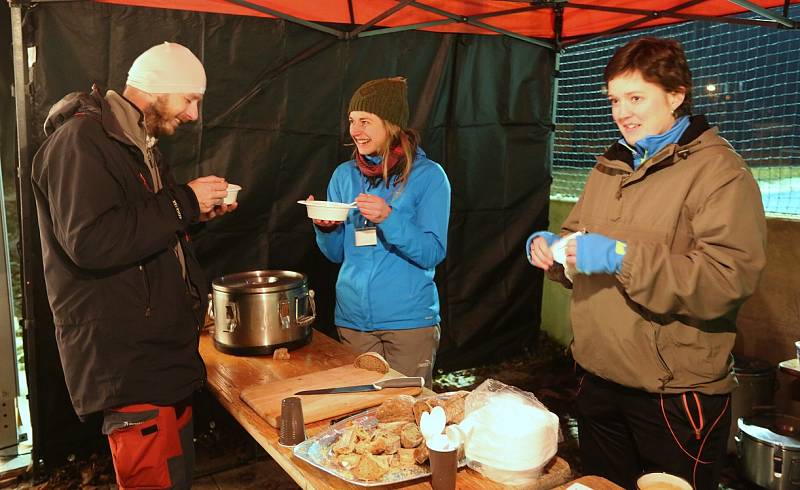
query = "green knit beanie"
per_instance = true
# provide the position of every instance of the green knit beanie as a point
(385, 97)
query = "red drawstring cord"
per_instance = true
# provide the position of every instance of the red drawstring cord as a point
(664, 412)
(698, 428)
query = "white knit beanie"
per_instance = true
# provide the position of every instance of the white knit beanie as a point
(168, 68)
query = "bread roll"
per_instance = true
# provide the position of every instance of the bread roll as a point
(452, 403)
(453, 406)
(410, 436)
(396, 409)
(422, 406)
(372, 361)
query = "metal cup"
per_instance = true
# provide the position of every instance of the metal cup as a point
(444, 466)
(293, 430)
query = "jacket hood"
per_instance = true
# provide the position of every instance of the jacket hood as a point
(71, 104)
(91, 104)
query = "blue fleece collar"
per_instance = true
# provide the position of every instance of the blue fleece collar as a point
(373, 159)
(650, 145)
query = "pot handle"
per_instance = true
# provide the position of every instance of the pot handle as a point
(306, 320)
(232, 316)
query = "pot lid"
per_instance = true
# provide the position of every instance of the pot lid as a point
(773, 428)
(259, 281)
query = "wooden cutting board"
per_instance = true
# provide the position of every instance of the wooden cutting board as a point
(266, 398)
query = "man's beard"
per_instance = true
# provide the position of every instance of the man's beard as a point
(157, 120)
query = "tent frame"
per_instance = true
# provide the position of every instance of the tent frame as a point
(558, 44)
(772, 19)
(26, 204)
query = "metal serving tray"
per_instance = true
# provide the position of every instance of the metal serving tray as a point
(317, 452)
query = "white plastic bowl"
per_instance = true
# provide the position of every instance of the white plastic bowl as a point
(327, 210)
(233, 190)
(662, 481)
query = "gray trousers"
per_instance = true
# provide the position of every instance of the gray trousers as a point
(411, 352)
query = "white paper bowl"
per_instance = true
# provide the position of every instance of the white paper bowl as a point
(662, 481)
(233, 190)
(327, 210)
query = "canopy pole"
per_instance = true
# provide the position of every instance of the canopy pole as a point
(647, 16)
(673, 13)
(449, 20)
(482, 25)
(351, 11)
(358, 30)
(30, 251)
(9, 375)
(409, 27)
(765, 13)
(297, 20)
(554, 109)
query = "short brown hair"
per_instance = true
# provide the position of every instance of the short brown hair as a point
(660, 61)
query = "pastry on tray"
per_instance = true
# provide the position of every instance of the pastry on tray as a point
(385, 443)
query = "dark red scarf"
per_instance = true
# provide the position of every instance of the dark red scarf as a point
(372, 170)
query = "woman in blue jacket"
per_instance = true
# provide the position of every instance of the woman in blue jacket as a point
(386, 300)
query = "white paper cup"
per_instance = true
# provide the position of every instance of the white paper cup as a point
(233, 190)
(661, 481)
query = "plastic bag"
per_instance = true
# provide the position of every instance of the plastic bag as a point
(509, 436)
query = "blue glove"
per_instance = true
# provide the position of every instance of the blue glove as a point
(550, 238)
(598, 254)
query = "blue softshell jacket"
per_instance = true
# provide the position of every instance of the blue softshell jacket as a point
(390, 286)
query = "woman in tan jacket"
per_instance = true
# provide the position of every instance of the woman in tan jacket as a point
(672, 243)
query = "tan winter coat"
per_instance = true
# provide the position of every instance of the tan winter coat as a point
(694, 224)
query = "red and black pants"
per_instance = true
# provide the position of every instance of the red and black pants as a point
(151, 445)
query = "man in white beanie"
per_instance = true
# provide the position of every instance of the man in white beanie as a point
(127, 294)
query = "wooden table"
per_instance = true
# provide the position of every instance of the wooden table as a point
(228, 375)
(593, 482)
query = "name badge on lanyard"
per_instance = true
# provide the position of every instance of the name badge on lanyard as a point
(367, 233)
(366, 236)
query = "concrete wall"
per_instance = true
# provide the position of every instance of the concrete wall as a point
(769, 322)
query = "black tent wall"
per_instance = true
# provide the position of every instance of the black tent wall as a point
(484, 107)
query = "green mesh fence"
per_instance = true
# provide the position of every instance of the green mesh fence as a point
(746, 81)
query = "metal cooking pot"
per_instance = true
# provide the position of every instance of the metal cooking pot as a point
(755, 393)
(257, 312)
(769, 450)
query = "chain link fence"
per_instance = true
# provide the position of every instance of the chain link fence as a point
(746, 81)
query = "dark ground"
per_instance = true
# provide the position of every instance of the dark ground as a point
(228, 458)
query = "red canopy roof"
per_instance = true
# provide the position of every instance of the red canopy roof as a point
(535, 18)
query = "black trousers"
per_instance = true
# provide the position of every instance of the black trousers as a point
(624, 433)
